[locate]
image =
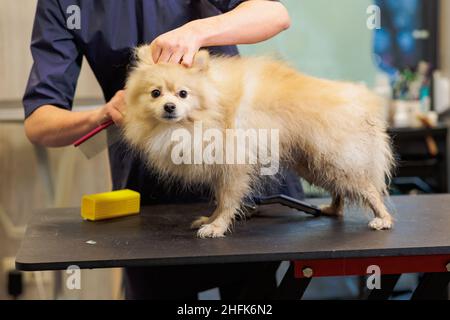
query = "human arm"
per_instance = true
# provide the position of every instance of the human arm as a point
(250, 22)
(51, 86)
(52, 126)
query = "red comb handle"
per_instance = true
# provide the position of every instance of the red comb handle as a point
(93, 133)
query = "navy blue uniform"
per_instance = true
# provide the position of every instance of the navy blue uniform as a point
(108, 32)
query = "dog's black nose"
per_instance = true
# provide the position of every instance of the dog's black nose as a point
(170, 107)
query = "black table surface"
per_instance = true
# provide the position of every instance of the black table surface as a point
(160, 235)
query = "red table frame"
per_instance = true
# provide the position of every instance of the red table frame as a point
(433, 283)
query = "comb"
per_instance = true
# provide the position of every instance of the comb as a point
(97, 140)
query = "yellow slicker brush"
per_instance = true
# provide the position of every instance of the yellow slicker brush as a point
(109, 205)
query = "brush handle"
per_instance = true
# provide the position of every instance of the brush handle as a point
(86, 137)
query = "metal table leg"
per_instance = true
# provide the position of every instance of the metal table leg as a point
(432, 286)
(262, 284)
(292, 288)
(388, 283)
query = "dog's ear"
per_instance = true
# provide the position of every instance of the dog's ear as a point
(143, 54)
(201, 60)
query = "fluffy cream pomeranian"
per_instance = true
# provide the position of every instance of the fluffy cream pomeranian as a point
(331, 133)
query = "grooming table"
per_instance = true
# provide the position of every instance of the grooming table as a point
(316, 246)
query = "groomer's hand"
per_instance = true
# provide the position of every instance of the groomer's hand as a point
(114, 110)
(250, 22)
(177, 46)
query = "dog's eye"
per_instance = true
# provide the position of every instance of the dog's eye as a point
(156, 93)
(183, 94)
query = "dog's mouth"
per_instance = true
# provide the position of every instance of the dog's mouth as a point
(170, 117)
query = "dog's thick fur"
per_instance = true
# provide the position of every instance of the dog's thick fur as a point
(331, 133)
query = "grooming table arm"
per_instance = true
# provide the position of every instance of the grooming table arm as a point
(289, 202)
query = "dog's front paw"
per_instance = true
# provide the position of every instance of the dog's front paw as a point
(212, 230)
(381, 224)
(200, 221)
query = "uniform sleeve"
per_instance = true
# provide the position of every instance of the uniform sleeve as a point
(227, 5)
(56, 60)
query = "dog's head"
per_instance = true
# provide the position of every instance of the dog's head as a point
(167, 92)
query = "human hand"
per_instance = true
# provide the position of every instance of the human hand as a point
(114, 110)
(178, 46)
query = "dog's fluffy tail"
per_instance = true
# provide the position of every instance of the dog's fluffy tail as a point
(383, 161)
(387, 163)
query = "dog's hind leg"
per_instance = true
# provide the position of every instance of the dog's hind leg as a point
(200, 221)
(383, 220)
(229, 194)
(336, 208)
